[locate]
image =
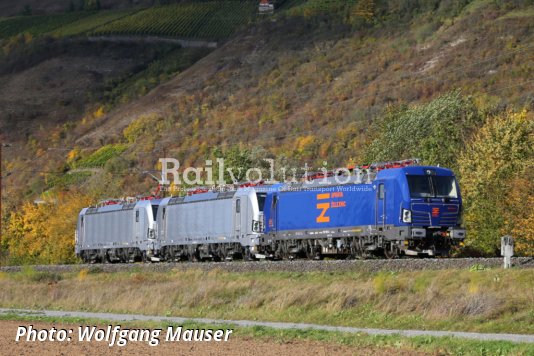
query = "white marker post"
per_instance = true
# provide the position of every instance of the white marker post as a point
(507, 250)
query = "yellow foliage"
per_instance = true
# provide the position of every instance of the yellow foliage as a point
(73, 154)
(82, 275)
(143, 126)
(99, 112)
(519, 213)
(28, 37)
(304, 141)
(44, 233)
(364, 9)
(494, 170)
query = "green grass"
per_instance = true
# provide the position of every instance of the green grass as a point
(212, 20)
(434, 345)
(205, 20)
(171, 63)
(38, 25)
(91, 22)
(462, 300)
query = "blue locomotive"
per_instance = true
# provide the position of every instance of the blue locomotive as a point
(412, 210)
(386, 210)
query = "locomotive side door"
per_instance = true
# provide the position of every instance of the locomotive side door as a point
(162, 224)
(137, 225)
(246, 221)
(274, 213)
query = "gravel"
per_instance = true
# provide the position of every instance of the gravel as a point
(295, 265)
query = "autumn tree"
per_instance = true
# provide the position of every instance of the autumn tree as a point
(364, 9)
(497, 182)
(435, 131)
(237, 159)
(44, 233)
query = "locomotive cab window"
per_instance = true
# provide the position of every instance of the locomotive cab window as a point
(81, 223)
(261, 200)
(137, 216)
(155, 211)
(420, 186)
(238, 206)
(432, 186)
(444, 187)
(163, 216)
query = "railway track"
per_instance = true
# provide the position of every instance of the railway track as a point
(294, 265)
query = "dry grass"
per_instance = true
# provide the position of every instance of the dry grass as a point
(491, 300)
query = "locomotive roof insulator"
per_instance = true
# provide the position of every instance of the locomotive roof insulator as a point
(251, 184)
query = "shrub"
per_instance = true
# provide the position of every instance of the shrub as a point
(44, 233)
(434, 132)
(496, 180)
(98, 158)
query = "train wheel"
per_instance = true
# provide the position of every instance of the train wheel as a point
(391, 252)
(313, 253)
(246, 254)
(85, 258)
(193, 257)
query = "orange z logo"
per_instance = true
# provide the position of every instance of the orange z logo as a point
(324, 206)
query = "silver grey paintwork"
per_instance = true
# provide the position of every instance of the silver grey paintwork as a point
(115, 226)
(208, 218)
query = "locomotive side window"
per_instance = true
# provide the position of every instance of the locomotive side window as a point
(381, 192)
(137, 216)
(238, 206)
(81, 225)
(163, 216)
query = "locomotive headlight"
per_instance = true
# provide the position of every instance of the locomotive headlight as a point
(406, 216)
(255, 226)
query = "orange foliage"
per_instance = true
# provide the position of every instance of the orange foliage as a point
(519, 214)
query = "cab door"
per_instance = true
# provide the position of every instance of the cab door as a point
(273, 221)
(246, 221)
(137, 224)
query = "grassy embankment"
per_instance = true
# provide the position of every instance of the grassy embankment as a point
(461, 300)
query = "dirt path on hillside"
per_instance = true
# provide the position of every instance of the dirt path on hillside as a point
(235, 346)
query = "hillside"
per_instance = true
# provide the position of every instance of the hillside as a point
(297, 78)
(313, 83)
